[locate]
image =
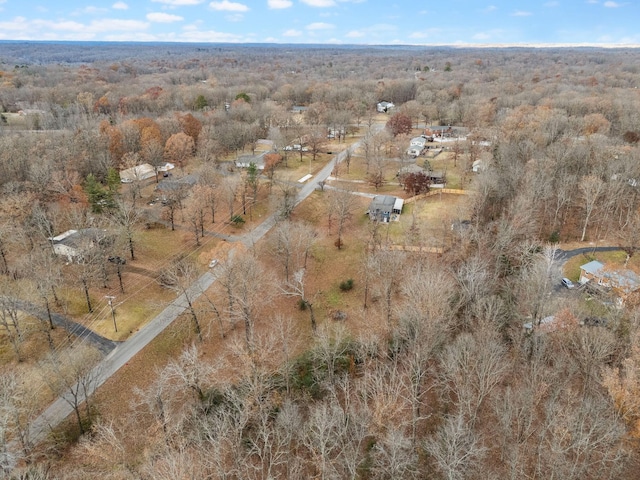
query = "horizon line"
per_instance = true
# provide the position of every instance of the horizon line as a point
(333, 44)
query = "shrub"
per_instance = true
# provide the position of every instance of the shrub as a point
(346, 285)
(237, 220)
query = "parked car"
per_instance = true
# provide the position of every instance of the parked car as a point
(213, 263)
(567, 283)
(117, 260)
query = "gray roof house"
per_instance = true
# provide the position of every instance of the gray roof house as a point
(415, 150)
(74, 243)
(383, 208)
(624, 283)
(244, 161)
(418, 142)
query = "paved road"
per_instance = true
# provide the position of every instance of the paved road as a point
(103, 344)
(561, 258)
(61, 408)
(564, 255)
(307, 189)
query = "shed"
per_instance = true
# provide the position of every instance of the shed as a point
(166, 167)
(264, 145)
(411, 168)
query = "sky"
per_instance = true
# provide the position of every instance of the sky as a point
(365, 22)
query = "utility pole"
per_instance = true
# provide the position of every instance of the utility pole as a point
(110, 299)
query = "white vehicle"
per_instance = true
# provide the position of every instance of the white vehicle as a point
(567, 283)
(213, 263)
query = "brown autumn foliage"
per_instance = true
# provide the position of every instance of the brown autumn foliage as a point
(179, 148)
(190, 125)
(399, 124)
(419, 366)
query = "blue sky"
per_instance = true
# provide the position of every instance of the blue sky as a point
(325, 21)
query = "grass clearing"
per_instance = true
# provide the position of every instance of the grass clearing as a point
(615, 259)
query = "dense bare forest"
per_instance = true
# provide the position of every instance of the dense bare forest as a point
(441, 344)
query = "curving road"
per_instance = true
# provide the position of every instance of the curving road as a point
(564, 255)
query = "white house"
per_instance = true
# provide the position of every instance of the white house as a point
(137, 173)
(74, 243)
(384, 107)
(418, 142)
(415, 151)
(477, 166)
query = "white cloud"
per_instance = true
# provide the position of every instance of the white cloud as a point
(192, 34)
(236, 17)
(277, 4)
(110, 24)
(120, 6)
(429, 33)
(179, 3)
(292, 33)
(227, 6)
(160, 17)
(612, 4)
(355, 34)
(521, 13)
(490, 8)
(320, 3)
(89, 10)
(19, 28)
(320, 26)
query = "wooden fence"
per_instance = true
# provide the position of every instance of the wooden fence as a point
(438, 191)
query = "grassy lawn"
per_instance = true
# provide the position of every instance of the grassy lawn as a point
(615, 259)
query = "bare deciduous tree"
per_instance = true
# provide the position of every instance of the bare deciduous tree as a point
(472, 366)
(182, 277)
(296, 288)
(71, 374)
(591, 188)
(247, 286)
(342, 204)
(455, 448)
